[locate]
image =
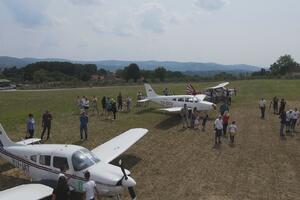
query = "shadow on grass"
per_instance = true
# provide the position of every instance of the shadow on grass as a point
(168, 123)
(128, 160)
(5, 167)
(11, 181)
(140, 112)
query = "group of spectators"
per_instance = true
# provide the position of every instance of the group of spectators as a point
(62, 191)
(221, 127)
(288, 119)
(46, 125)
(191, 118)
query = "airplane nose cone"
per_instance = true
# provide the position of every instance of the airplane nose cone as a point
(129, 182)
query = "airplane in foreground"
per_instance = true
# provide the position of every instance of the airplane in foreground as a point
(174, 103)
(43, 162)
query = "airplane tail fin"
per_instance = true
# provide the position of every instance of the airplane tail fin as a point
(149, 91)
(4, 139)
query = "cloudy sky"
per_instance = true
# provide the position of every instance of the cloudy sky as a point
(226, 31)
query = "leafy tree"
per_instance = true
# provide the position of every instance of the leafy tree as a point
(160, 73)
(132, 72)
(284, 65)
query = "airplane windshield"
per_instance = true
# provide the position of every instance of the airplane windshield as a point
(83, 159)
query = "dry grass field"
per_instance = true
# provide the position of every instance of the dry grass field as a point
(174, 163)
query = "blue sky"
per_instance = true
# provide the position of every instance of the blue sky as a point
(226, 31)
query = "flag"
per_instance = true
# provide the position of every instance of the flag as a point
(190, 90)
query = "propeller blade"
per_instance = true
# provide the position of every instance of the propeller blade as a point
(123, 170)
(132, 193)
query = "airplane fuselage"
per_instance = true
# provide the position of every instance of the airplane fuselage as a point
(179, 101)
(44, 166)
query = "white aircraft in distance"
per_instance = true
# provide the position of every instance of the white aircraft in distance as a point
(216, 92)
(42, 162)
(174, 103)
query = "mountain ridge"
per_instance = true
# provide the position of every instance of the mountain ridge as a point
(112, 65)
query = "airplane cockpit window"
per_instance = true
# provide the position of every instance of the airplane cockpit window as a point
(190, 100)
(33, 158)
(174, 99)
(60, 163)
(83, 159)
(180, 99)
(45, 160)
(1, 145)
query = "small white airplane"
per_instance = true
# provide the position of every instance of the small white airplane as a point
(218, 91)
(42, 162)
(174, 103)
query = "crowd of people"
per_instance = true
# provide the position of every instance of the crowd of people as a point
(192, 118)
(62, 191)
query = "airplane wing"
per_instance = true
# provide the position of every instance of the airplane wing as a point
(174, 109)
(28, 192)
(29, 141)
(116, 146)
(201, 97)
(219, 86)
(143, 100)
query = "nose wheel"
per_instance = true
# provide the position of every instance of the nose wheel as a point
(118, 197)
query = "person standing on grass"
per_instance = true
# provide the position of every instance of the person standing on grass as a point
(120, 102)
(62, 190)
(89, 187)
(282, 106)
(95, 105)
(275, 105)
(282, 117)
(225, 120)
(262, 107)
(295, 116)
(232, 131)
(46, 124)
(114, 108)
(30, 126)
(218, 125)
(288, 120)
(103, 103)
(128, 104)
(184, 116)
(84, 119)
(193, 117)
(204, 122)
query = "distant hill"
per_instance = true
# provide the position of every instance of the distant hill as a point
(113, 65)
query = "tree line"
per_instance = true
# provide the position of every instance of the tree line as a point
(285, 66)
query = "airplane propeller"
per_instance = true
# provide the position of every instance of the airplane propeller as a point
(128, 182)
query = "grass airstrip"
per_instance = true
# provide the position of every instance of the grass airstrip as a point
(170, 162)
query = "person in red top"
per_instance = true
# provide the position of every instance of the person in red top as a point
(225, 120)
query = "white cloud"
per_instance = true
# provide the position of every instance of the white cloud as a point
(86, 2)
(211, 5)
(29, 14)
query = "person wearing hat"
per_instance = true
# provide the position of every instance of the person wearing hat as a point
(84, 119)
(218, 125)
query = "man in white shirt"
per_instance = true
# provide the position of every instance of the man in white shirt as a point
(89, 187)
(295, 116)
(218, 129)
(262, 107)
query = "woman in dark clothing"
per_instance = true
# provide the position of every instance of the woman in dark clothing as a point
(62, 191)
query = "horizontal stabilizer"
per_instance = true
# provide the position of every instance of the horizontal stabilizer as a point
(30, 141)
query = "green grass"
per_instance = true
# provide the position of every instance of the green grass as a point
(168, 154)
